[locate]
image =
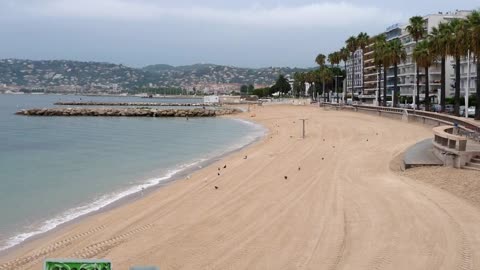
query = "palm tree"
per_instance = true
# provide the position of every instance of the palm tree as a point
(334, 59)
(396, 54)
(474, 25)
(362, 41)
(320, 60)
(417, 30)
(379, 46)
(299, 84)
(424, 58)
(310, 79)
(352, 46)
(343, 55)
(458, 45)
(326, 75)
(439, 47)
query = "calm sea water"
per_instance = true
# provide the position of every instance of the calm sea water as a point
(53, 170)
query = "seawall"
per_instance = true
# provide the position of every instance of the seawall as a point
(127, 112)
(99, 103)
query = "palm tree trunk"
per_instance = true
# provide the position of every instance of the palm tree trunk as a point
(379, 99)
(336, 83)
(395, 84)
(477, 107)
(442, 89)
(456, 109)
(417, 94)
(427, 91)
(323, 91)
(353, 74)
(362, 77)
(384, 86)
(345, 82)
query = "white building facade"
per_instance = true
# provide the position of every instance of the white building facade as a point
(468, 76)
(357, 63)
(406, 73)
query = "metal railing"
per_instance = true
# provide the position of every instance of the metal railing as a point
(465, 128)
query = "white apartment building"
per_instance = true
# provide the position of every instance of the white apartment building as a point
(466, 76)
(406, 70)
(357, 64)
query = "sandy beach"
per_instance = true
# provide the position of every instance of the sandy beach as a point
(329, 201)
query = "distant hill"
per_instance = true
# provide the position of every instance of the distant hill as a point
(158, 68)
(211, 73)
(68, 76)
(61, 73)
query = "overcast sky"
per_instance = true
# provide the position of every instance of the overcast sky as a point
(247, 33)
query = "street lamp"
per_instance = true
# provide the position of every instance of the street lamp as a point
(336, 85)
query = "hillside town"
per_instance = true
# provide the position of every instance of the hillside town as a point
(73, 77)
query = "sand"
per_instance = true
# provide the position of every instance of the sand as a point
(343, 209)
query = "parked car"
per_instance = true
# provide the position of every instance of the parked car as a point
(462, 111)
(449, 108)
(471, 111)
(436, 108)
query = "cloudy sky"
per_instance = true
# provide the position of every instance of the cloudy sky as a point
(248, 33)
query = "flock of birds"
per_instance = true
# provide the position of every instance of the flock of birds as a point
(285, 177)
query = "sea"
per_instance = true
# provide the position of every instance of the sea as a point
(56, 169)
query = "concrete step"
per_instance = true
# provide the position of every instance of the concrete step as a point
(475, 160)
(475, 165)
(471, 168)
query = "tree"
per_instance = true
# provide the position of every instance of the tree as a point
(417, 30)
(396, 54)
(352, 46)
(334, 59)
(325, 75)
(474, 25)
(310, 79)
(250, 89)
(282, 85)
(458, 45)
(379, 51)
(320, 60)
(362, 41)
(261, 92)
(244, 89)
(439, 47)
(299, 83)
(424, 58)
(343, 54)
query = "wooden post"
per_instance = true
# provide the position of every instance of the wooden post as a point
(303, 128)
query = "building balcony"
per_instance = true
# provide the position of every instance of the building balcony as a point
(464, 76)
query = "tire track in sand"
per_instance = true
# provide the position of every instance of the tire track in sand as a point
(42, 253)
(106, 245)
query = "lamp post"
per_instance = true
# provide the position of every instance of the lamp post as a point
(468, 85)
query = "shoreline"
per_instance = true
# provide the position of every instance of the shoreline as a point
(179, 174)
(294, 203)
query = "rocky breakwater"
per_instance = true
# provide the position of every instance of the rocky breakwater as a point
(128, 112)
(144, 104)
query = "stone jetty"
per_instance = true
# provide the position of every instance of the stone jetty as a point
(128, 112)
(142, 104)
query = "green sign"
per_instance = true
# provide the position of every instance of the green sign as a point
(73, 264)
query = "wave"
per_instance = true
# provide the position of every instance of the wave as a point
(96, 205)
(110, 198)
